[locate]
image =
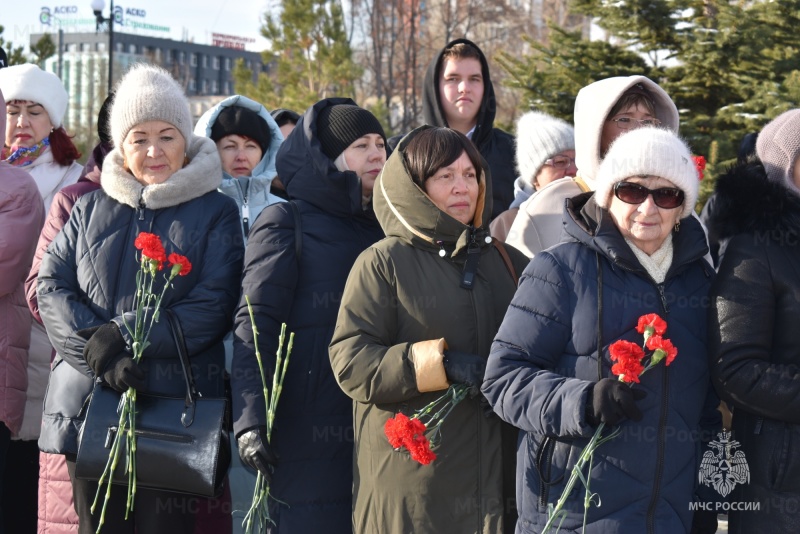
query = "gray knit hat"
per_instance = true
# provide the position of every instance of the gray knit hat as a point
(778, 147)
(540, 136)
(649, 152)
(341, 124)
(149, 93)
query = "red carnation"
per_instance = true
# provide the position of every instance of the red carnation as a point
(151, 247)
(409, 433)
(629, 360)
(179, 263)
(662, 347)
(658, 324)
(700, 165)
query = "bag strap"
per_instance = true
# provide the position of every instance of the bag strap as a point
(298, 231)
(187, 417)
(506, 259)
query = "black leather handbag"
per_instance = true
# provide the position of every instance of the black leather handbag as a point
(181, 444)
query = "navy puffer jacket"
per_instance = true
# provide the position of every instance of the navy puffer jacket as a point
(313, 432)
(544, 360)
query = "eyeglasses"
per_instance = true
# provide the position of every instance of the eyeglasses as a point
(664, 197)
(559, 162)
(626, 123)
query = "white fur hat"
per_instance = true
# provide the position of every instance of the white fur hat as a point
(149, 93)
(649, 152)
(29, 82)
(592, 106)
(540, 136)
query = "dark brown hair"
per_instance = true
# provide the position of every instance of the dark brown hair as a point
(434, 148)
(635, 96)
(461, 51)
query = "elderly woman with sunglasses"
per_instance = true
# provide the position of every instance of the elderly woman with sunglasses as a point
(631, 248)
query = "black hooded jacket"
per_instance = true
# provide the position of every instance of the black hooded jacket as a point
(753, 342)
(313, 432)
(495, 145)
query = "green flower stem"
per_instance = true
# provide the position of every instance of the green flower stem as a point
(259, 508)
(577, 472)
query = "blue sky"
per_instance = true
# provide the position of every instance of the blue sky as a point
(197, 19)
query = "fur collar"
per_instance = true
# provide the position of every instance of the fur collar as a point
(746, 201)
(202, 175)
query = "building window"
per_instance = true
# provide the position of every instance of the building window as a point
(192, 85)
(226, 88)
(214, 87)
(193, 60)
(181, 57)
(168, 56)
(227, 63)
(204, 87)
(86, 47)
(101, 46)
(118, 47)
(205, 62)
(72, 47)
(215, 63)
(157, 54)
(132, 49)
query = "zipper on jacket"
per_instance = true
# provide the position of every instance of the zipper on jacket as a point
(246, 217)
(141, 207)
(662, 425)
(545, 462)
(660, 288)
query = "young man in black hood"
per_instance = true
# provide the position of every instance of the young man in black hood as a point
(458, 93)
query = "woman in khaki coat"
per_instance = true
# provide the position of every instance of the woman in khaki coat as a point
(419, 312)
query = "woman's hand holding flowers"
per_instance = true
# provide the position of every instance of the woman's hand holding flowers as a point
(611, 402)
(465, 368)
(255, 451)
(106, 356)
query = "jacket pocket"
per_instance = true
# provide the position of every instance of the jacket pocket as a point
(785, 462)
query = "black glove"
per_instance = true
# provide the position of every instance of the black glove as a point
(704, 522)
(465, 368)
(104, 343)
(612, 401)
(255, 451)
(122, 373)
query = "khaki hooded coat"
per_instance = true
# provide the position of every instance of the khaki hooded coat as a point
(402, 306)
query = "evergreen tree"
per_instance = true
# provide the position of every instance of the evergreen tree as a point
(43, 49)
(15, 54)
(730, 66)
(309, 57)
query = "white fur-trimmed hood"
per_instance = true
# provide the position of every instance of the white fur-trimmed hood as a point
(202, 175)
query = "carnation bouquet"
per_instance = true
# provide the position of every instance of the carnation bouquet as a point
(146, 304)
(409, 433)
(631, 362)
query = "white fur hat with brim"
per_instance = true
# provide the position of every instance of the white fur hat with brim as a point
(29, 82)
(649, 152)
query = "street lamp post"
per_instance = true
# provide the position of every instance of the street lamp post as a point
(97, 8)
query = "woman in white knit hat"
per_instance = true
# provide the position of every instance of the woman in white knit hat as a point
(545, 153)
(631, 249)
(161, 179)
(604, 110)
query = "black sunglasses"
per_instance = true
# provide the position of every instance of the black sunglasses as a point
(664, 197)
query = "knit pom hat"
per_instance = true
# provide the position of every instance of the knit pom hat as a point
(540, 136)
(778, 147)
(648, 152)
(149, 93)
(236, 120)
(29, 82)
(341, 124)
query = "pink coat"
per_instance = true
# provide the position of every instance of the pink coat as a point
(21, 218)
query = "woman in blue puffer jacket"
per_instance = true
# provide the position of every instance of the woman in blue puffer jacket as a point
(631, 249)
